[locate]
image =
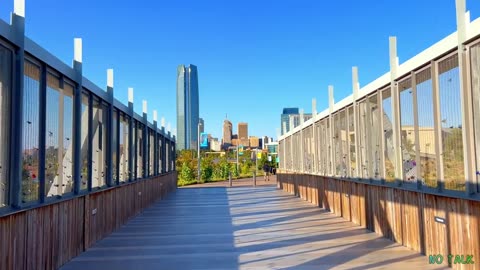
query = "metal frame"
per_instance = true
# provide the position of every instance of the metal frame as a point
(460, 44)
(12, 38)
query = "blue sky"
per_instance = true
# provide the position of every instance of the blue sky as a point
(253, 57)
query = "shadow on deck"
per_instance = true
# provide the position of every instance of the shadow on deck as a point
(243, 228)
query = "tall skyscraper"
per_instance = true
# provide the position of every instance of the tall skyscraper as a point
(292, 115)
(285, 118)
(187, 107)
(227, 133)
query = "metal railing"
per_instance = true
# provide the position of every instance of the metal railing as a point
(418, 126)
(62, 136)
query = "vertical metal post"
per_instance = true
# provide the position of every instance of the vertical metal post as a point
(155, 143)
(356, 88)
(18, 24)
(291, 148)
(331, 103)
(198, 155)
(230, 179)
(256, 161)
(396, 111)
(254, 179)
(169, 149)
(164, 149)
(145, 160)
(131, 137)
(468, 133)
(302, 151)
(77, 115)
(284, 127)
(110, 128)
(42, 133)
(314, 139)
(174, 152)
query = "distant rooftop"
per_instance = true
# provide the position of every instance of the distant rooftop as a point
(290, 111)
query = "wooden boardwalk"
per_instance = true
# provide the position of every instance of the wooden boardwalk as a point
(243, 228)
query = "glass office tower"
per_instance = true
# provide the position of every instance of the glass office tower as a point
(187, 107)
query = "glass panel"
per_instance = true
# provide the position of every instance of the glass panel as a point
(475, 84)
(374, 134)
(115, 146)
(362, 128)
(5, 96)
(159, 154)
(328, 136)
(323, 147)
(31, 122)
(340, 139)
(52, 181)
(388, 147)
(407, 127)
(124, 172)
(67, 153)
(139, 151)
(451, 122)
(351, 132)
(58, 135)
(84, 142)
(343, 138)
(167, 156)
(99, 143)
(426, 132)
(308, 149)
(134, 150)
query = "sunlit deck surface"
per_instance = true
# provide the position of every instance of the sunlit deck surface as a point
(243, 228)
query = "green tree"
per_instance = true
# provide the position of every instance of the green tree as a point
(207, 168)
(187, 174)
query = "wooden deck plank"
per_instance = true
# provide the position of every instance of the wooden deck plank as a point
(243, 228)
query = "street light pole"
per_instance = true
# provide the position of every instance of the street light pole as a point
(198, 148)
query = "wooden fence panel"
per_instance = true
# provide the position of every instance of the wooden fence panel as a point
(346, 192)
(47, 237)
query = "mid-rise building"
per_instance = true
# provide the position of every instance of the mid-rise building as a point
(242, 131)
(187, 107)
(254, 142)
(215, 145)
